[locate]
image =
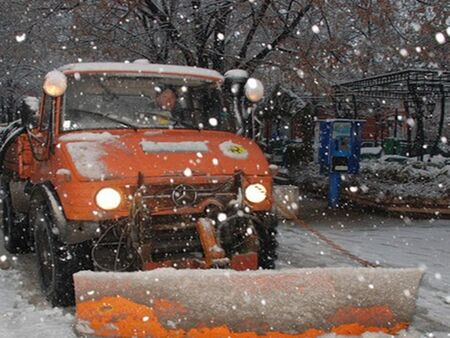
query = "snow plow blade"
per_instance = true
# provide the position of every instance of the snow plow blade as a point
(225, 303)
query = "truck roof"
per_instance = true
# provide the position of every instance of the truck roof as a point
(142, 68)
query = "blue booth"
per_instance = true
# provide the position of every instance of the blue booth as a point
(339, 152)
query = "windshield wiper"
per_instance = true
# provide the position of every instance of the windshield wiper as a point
(171, 118)
(183, 123)
(109, 117)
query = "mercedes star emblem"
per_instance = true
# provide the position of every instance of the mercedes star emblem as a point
(184, 195)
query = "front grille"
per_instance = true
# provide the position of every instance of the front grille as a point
(179, 196)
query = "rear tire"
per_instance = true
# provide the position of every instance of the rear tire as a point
(15, 231)
(57, 261)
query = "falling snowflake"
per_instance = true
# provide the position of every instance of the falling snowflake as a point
(213, 122)
(404, 52)
(411, 122)
(187, 172)
(440, 38)
(222, 217)
(21, 37)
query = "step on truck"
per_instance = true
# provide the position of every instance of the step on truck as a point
(147, 206)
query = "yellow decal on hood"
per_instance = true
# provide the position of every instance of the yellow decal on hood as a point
(234, 150)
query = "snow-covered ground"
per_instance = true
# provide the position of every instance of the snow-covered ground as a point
(23, 309)
(391, 241)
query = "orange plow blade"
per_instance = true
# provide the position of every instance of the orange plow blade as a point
(225, 303)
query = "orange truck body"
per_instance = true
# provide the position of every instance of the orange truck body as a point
(76, 164)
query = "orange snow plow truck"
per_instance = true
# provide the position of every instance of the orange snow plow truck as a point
(149, 209)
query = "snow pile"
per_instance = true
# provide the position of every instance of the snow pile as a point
(371, 150)
(387, 181)
(444, 147)
(413, 179)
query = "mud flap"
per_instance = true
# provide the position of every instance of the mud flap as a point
(222, 303)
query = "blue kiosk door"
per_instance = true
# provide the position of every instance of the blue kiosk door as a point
(340, 148)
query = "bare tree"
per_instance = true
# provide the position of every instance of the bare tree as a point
(307, 45)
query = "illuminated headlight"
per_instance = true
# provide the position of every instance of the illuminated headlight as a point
(256, 193)
(55, 83)
(108, 198)
(254, 90)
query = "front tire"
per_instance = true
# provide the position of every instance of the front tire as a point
(268, 244)
(57, 261)
(15, 231)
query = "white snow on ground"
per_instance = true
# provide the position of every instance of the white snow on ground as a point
(23, 312)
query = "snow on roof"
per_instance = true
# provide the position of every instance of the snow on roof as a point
(119, 67)
(236, 74)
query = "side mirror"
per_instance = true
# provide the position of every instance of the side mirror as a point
(29, 112)
(235, 80)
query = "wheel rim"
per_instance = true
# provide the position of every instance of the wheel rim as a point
(44, 249)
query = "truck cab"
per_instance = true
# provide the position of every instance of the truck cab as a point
(134, 166)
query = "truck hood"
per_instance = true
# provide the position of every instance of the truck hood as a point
(120, 154)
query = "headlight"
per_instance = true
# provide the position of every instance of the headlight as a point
(254, 90)
(255, 193)
(108, 198)
(55, 83)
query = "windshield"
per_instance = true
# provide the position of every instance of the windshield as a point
(119, 101)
